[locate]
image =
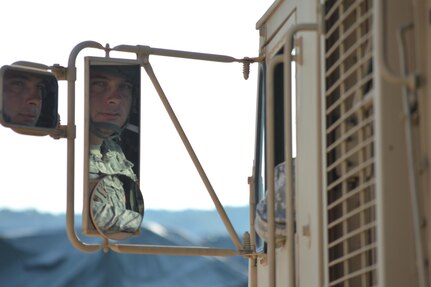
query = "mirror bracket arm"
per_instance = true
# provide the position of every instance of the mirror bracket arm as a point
(59, 72)
(63, 132)
(143, 54)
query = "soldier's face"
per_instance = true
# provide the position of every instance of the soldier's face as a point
(110, 99)
(22, 98)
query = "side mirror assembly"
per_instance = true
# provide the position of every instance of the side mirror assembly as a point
(28, 100)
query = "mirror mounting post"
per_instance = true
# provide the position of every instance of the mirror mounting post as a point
(60, 73)
(60, 132)
(71, 128)
(143, 55)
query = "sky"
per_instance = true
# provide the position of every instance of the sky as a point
(213, 102)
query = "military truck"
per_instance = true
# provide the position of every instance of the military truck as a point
(339, 188)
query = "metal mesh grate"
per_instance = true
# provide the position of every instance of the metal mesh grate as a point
(351, 218)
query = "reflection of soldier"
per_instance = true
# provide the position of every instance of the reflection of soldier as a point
(261, 222)
(113, 210)
(116, 205)
(29, 98)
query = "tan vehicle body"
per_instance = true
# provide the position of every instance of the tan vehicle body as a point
(358, 81)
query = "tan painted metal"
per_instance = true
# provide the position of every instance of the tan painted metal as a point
(142, 53)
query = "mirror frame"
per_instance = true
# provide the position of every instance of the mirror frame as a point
(88, 227)
(24, 129)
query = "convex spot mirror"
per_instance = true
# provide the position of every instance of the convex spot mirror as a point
(117, 207)
(28, 100)
(111, 135)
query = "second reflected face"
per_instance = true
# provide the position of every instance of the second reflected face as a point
(110, 98)
(22, 98)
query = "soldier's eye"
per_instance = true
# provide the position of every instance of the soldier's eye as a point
(17, 86)
(126, 89)
(98, 86)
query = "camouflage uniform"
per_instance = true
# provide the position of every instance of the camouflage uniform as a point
(108, 204)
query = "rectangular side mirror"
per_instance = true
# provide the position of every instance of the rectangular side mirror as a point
(113, 203)
(28, 100)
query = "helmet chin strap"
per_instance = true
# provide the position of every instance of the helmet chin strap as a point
(97, 128)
